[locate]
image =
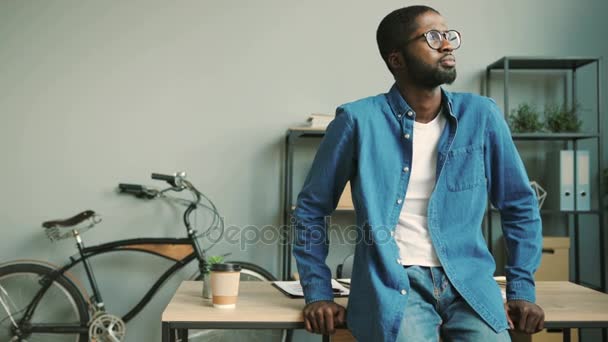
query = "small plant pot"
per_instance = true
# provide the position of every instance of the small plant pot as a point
(207, 285)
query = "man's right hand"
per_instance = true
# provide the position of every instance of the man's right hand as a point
(323, 317)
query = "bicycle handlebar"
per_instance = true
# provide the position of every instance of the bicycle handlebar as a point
(178, 183)
(137, 190)
(130, 187)
(167, 178)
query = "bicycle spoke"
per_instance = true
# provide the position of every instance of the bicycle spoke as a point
(6, 303)
(56, 306)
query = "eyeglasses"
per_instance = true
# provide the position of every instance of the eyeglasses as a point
(435, 39)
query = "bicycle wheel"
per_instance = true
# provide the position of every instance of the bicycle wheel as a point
(61, 304)
(249, 272)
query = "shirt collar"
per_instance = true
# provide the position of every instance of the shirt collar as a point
(401, 108)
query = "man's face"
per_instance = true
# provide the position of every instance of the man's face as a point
(426, 66)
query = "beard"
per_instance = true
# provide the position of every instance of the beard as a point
(428, 75)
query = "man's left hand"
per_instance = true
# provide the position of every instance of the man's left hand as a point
(525, 316)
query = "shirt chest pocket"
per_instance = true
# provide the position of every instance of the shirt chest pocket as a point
(465, 168)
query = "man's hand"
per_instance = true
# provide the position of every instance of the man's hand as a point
(323, 317)
(525, 316)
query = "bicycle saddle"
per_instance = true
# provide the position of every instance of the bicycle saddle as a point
(70, 222)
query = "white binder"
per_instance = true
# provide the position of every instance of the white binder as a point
(573, 186)
(566, 179)
(583, 200)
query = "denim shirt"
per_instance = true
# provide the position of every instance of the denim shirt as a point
(477, 160)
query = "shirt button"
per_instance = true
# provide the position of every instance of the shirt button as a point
(406, 135)
(403, 292)
(399, 201)
(399, 261)
(406, 169)
(392, 234)
(410, 113)
(399, 115)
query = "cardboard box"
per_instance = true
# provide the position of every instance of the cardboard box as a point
(554, 265)
(555, 260)
(346, 200)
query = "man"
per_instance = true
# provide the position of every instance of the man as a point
(422, 163)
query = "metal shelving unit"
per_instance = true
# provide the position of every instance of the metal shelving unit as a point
(570, 140)
(293, 135)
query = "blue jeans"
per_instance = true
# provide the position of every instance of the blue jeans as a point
(435, 309)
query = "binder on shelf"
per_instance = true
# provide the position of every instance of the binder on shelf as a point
(573, 186)
(566, 180)
(583, 200)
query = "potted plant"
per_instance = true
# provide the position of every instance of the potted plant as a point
(525, 119)
(215, 259)
(561, 119)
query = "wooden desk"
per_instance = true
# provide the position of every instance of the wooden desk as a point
(568, 305)
(261, 306)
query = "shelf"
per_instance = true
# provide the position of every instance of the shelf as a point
(306, 132)
(305, 129)
(542, 63)
(554, 136)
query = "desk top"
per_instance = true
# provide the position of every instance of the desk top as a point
(570, 305)
(260, 304)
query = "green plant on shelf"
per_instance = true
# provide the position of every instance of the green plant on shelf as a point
(525, 119)
(561, 119)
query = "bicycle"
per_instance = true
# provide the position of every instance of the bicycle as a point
(44, 302)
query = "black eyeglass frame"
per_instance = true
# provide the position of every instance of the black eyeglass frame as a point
(443, 36)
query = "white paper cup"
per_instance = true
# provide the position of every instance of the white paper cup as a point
(225, 280)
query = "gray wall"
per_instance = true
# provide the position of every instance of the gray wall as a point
(95, 93)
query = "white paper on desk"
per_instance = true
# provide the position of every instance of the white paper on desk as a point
(344, 281)
(294, 288)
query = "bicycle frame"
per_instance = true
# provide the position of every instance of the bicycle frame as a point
(180, 250)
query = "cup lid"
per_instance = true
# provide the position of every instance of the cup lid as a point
(226, 267)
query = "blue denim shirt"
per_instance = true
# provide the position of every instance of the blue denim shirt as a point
(477, 160)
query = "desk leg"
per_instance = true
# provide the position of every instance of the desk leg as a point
(166, 332)
(325, 338)
(567, 335)
(183, 335)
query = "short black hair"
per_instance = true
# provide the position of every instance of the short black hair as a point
(396, 27)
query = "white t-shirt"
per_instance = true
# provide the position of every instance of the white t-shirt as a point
(411, 233)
